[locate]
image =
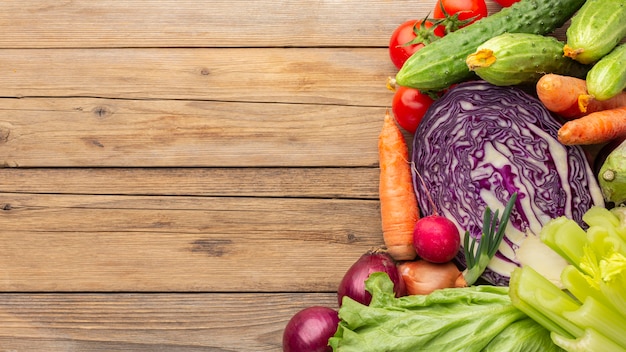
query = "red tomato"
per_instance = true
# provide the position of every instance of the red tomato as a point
(506, 3)
(409, 106)
(460, 12)
(407, 32)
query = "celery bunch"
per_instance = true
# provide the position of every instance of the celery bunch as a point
(590, 314)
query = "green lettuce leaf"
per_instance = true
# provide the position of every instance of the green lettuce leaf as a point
(477, 318)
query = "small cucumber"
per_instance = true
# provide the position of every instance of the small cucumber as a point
(607, 78)
(520, 58)
(442, 62)
(612, 175)
(595, 30)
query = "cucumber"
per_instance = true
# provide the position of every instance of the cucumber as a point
(442, 62)
(612, 175)
(607, 78)
(522, 58)
(596, 29)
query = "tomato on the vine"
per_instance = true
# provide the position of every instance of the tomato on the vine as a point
(459, 13)
(410, 37)
(409, 106)
(506, 3)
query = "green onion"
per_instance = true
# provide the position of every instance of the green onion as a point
(479, 252)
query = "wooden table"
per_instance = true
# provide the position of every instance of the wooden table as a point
(185, 175)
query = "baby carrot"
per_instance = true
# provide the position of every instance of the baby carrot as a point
(398, 203)
(595, 128)
(568, 97)
(559, 94)
(587, 104)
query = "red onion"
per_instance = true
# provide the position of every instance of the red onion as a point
(309, 330)
(353, 282)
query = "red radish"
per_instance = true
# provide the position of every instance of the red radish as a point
(353, 282)
(436, 239)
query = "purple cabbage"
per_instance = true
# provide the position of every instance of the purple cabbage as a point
(480, 143)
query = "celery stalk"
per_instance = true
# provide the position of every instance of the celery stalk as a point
(603, 240)
(581, 286)
(534, 312)
(600, 216)
(595, 315)
(590, 340)
(543, 301)
(591, 315)
(620, 212)
(565, 237)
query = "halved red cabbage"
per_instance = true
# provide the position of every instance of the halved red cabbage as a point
(477, 145)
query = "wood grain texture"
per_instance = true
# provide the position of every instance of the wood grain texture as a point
(272, 182)
(138, 243)
(342, 76)
(205, 23)
(157, 133)
(133, 322)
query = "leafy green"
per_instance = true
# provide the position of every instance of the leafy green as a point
(590, 315)
(476, 318)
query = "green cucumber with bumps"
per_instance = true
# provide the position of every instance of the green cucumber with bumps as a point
(442, 62)
(607, 78)
(596, 29)
(522, 58)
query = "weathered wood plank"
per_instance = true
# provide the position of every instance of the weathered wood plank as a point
(149, 322)
(147, 133)
(210, 23)
(356, 183)
(160, 243)
(339, 76)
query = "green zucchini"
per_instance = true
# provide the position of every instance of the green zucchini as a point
(596, 29)
(607, 78)
(522, 58)
(442, 62)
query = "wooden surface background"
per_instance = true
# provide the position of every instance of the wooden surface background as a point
(185, 175)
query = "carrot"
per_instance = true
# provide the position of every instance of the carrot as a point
(568, 97)
(587, 104)
(595, 128)
(398, 203)
(559, 94)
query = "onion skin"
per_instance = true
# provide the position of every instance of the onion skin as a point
(309, 330)
(422, 277)
(353, 282)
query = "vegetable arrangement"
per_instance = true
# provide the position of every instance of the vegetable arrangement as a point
(442, 63)
(504, 223)
(480, 143)
(480, 318)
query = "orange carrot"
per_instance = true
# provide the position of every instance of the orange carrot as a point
(568, 97)
(398, 203)
(587, 104)
(559, 94)
(595, 128)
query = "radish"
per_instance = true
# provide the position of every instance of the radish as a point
(436, 239)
